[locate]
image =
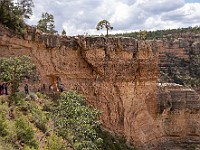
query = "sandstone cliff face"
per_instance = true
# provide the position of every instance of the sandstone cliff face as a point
(178, 117)
(179, 60)
(116, 75)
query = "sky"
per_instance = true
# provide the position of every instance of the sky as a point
(80, 17)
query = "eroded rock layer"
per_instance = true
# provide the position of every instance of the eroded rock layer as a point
(116, 75)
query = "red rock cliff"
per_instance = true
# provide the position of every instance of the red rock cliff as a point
(116, 75)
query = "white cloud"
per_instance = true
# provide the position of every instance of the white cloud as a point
(188, 15)
(81, 16)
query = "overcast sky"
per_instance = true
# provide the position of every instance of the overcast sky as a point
(79, 17)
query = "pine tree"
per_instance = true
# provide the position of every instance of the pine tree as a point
(46, 24)
(63, 32)
(104, 24)
(25, 8)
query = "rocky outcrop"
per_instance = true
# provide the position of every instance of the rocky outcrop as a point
(179, 60)
(179, 118)
(116, 75)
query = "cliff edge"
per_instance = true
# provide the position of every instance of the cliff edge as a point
(118, 76)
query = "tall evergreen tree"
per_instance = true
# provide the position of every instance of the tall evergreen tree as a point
(63, 32)
(25, 8)
(104, 24)
(46, 24)
(13, 13)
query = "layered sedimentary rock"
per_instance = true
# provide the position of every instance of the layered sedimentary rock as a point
(179, 118)
(116, 75)
(179, 60)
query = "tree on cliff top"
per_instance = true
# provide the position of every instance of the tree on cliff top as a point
(104, 24)
(46, 24)
(142, 35)
(63, 32)
(14, 70)
(25, 8)
(13, 13)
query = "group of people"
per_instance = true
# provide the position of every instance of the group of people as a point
(4, 89)
(59, 87)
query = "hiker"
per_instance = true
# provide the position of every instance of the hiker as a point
(61, 87)
(6, 88)
(26, 89)
(0, 89)
(3, 88)
(51, 88)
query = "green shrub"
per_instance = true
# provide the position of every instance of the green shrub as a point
(28, 148)
(3, 127)
(3, 98)
(42, 95)
(33, 96)
(11, 136)
(18, 97)
(4, 109)
(113, 142)
(46, 101)
(39, 117)
(40, 120)
(54, 142)
(25, 133)
(77, 122)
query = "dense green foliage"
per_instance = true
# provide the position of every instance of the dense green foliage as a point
(13, 13)
(25, 8)
(104, 24)
(28, 125)
(77, 122)
(160, 34)
(25, 133)
(72, 121)
(113, 142)
(183, 71)
(55, 143)
(46, 23)
(15, 69)
(16, 128)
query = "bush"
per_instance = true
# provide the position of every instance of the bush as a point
(41, 95)
(3, 99)
(3, 127)
(11, 132)
(33, 96)
(55, 143)
(113, 142)
(28, 148)
(18, 97)
(38, 117)
(4, 109)
(77, 122)
(25, 133)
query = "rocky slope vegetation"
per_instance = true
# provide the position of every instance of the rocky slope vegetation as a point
(180, 60)
(119, 77)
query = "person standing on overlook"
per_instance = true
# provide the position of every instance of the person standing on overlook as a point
(26, 89)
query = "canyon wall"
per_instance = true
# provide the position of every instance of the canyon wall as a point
(119, 77)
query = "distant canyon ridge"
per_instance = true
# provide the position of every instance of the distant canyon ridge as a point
(120, 77)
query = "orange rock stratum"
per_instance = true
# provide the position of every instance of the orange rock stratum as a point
(119, 77)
